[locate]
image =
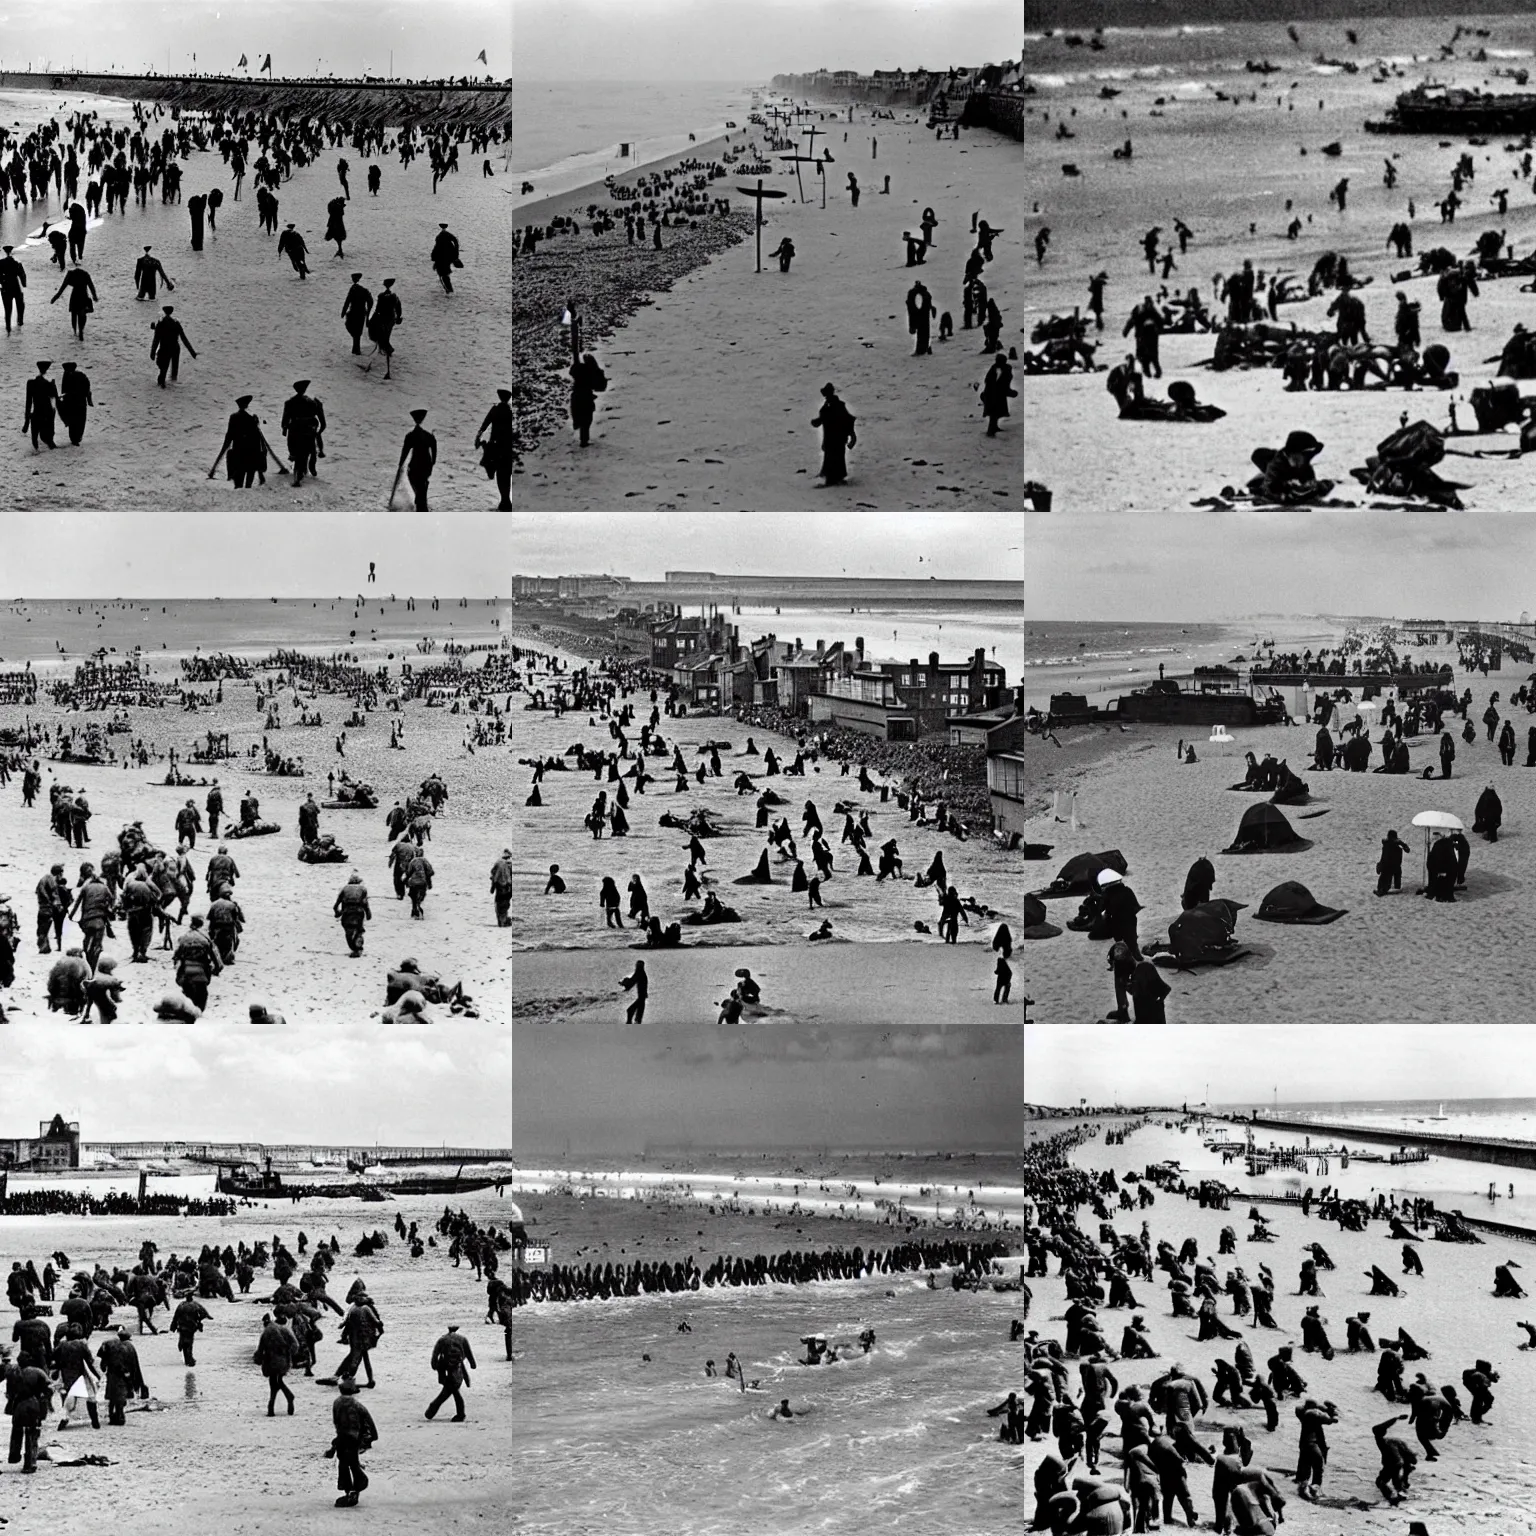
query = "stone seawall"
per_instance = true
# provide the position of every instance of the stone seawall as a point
(1000, 110)
(368, 103)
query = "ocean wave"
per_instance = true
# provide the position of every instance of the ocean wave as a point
(1510, 53)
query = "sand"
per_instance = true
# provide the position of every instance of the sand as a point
(688, 373)
(1483, 1473)
(1394, 958)
(292, 955)
(211, 1456)
(898, 1433)
(257, 327)
(1220, 166)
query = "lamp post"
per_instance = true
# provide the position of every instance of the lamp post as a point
(759, 193)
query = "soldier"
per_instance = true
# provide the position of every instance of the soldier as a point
(215, 801)
(74, 401)
(303, 422)
(168, 341)
(497, 457)
(93, 904)
(245, 448)
(420, 447)
(221, 871)
(291, 244)
(53, 901)
(400, 856)
(147, 273)
(13, 279)
(355, 310)
(451, 1357)
(356, 1433)
(225, 921)
(351, 906)
(445, 257)
(42, 400)
(309, 819)
(28, 1397)
(418, 881)
(501, 888)
(387, 314)
(196, 962)
(188, 824)
(82, 298)
(361, 1329)
(275, 1353)
(77, 1375)
(141, 900)
(186, 1323)
(120, 1363)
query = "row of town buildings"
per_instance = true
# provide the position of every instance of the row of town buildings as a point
(56, 1145)
(915, 87)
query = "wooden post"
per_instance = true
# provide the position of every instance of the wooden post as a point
(759, 193)
(799, 161)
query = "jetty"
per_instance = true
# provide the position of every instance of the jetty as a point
(367, 102)
(1473, 1149)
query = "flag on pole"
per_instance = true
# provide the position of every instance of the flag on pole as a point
(266, 64)
(242, 63)
(481, 56)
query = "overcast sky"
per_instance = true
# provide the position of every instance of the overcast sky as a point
(752, 40)
(361, 1082)
(1250, 1063)
(644, 545)
(430, 38)
(257, 554)
(1195, 566)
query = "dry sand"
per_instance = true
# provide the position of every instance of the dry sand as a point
(292, 955)
(257, 327)
(687, 376)
(211, 1458)
(1396, 958)
(1483, 1475)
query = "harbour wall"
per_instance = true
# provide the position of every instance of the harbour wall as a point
(1510, 1154)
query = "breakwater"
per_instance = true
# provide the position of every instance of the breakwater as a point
(367, 103)
(1002, 111)
(1473, 1149)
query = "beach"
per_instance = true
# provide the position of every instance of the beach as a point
(687, 370)
(257, 327)
(1223, 149)
(620, 1437)
(1451, 1311)
(292, 956)
(205, 1454)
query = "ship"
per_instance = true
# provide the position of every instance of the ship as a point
(1452, 111)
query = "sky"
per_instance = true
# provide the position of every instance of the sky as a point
(644, 545)
(752, 40)
(1250, 1063)
(452, 1083)
(283, 554)
(1197, 567)
(430, 38)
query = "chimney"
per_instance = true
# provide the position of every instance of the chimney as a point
(799, 644)
(858, 647)
(819, 646)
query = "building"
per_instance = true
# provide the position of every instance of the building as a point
(1005, 790)
(56, 1145)
(686, 637)
(935, 693)
(978, 730)
(864, 700)
(557, 587)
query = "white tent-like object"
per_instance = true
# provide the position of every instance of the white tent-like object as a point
(1433, 822)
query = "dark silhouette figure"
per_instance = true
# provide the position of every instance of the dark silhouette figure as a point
(197, 208)
(919, 316)
(74, 401)
(387, 314)
(837, 436)
(76, 232)
(169, 338)
(996, 391)
(291, 244)
(336, 226)
(302, 424)
(13, 280)
(147, 273)
(445, 257)
(355, 309)
(82, 298)
(785, 251)
(418, 456)
(588, 381)
(497, 456)
(42, 400)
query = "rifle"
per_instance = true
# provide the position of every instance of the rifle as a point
(399, 470)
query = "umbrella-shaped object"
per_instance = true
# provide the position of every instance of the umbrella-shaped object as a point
(1433, 822)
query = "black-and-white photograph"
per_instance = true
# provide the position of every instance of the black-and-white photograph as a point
(767, 1069)
(256, 250)
(767, 256)
(255, 985)
(1207, 1208)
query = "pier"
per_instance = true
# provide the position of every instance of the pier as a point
(1509, 1154)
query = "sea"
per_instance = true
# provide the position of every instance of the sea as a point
(1192, 59)
(567, 133)
(1452, 1183)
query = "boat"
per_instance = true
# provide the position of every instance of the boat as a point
(457, 1185)
(248, 1179)
(1452, 111)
